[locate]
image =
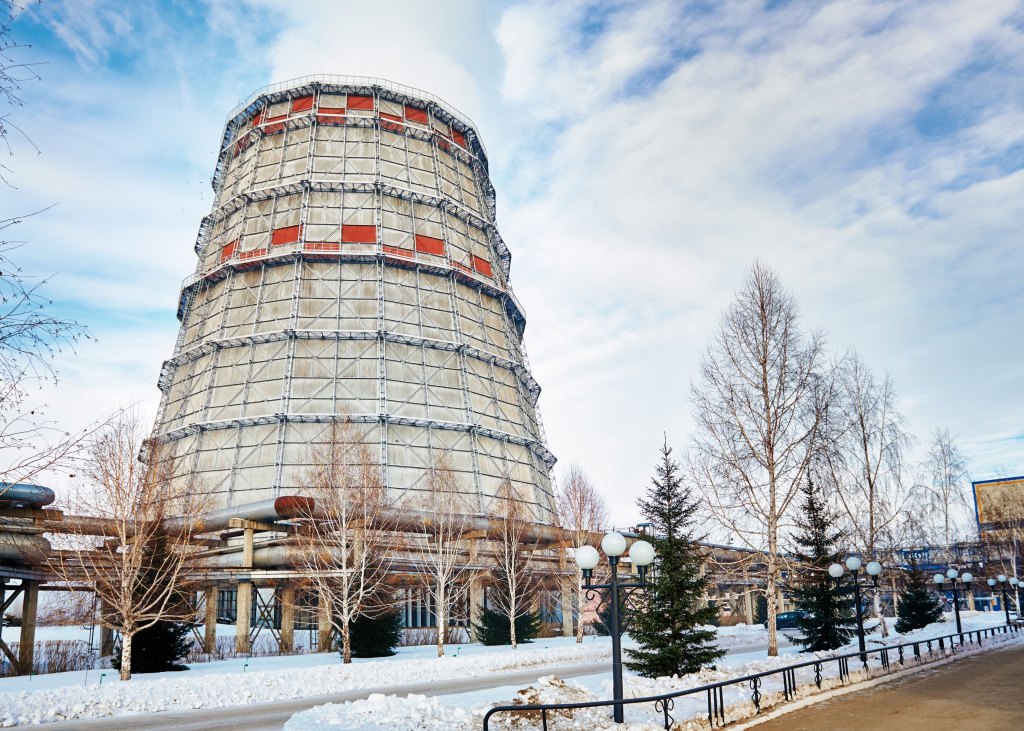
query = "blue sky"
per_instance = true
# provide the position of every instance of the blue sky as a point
(644, 153)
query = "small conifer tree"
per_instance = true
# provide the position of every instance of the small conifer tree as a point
(671, 630)
(160, 647)
(916, 606)
(374, 636)
(494, 629)
(829, 623)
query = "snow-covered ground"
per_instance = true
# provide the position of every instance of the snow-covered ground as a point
(238, 682)
(465, 710)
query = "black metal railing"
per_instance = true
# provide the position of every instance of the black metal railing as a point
(665, 704)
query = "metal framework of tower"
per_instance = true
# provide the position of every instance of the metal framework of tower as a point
(351, 269)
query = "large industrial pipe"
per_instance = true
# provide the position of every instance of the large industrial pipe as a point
(264, 511)
(267, 511)
(23, 548)
(20, 495)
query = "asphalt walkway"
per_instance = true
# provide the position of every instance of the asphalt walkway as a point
(979, 692)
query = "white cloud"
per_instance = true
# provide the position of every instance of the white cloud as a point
(789, 135)
(643, 153)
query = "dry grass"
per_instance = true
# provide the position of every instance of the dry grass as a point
(53, 656)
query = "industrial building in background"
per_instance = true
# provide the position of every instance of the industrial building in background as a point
(351, 269)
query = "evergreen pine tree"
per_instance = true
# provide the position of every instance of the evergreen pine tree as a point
(159, 648)
(528, 624)
(670, 632)
(916, 606)
(761, 609)
(376, 636)
(830, 623)
(493, 628)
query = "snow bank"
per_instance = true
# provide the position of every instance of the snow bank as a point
(416, 713)
(183, 691)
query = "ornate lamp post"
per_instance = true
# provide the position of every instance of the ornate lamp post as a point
(953, 576)
(1006, 602)
(587, 558)
(874, 570)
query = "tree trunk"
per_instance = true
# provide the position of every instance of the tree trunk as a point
(126, 656)
(346, 644)
(441, 624)
(770, 597)
(878, 612)
(512, 626)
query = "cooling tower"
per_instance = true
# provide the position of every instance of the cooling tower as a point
(351, 269)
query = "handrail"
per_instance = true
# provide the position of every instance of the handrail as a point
(716, 705)
(364, 81)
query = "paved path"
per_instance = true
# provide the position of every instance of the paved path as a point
(980, 692)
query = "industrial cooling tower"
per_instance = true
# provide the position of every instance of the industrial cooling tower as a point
(351, 269)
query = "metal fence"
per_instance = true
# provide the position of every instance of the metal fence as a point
(892, 657)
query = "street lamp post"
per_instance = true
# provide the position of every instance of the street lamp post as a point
(641, 554)
(966, 579)
(1002, 584)
(874, 570)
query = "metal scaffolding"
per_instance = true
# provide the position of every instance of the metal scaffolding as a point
(351, 269)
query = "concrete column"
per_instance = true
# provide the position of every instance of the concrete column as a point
(324, 627)
(287, 597)
(244, 603)
(970, 600)
(476, 594)
(748, 604)
(27, 641)
(210, 621)
(106, 634)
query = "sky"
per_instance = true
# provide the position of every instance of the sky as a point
(644, 154)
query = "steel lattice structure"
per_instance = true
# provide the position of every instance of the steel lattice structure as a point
(351, 269)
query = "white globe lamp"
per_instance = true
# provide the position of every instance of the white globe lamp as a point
(614, 544)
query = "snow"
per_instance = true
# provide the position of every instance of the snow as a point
(241, 681)
(230, 683)
(465, 711)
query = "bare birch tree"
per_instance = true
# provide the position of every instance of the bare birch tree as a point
(582, 513)
(758, 406)
(343, 545)
(514, 578)
(942, 489)
(449, 512)
(150, 517)
(866, 463)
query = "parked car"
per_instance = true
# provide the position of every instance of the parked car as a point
(787, 620)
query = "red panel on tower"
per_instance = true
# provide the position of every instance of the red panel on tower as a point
(288, 235)
(482, 266)
(302, 104)
(358, 234)
(228, 250)
(360, 102)
(459, 138)
(430, 245)
(416, 115)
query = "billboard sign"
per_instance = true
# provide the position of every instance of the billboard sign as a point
(997, 503)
